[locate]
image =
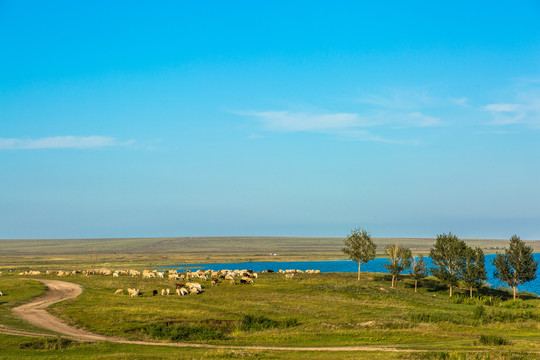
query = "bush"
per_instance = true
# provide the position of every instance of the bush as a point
(183, 332)
(48, 344)
(479, 312)
(492, 340)
(257, 323)
(437, 317)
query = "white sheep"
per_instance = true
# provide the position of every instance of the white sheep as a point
(133, 292)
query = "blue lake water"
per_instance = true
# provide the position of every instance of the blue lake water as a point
(375, 265)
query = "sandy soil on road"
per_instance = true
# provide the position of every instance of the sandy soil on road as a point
(34, 312)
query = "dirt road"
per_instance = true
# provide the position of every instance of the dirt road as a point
(34, 312)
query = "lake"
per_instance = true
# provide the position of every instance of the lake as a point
(375, 265)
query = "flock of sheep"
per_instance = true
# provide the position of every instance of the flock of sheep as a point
(232, 276)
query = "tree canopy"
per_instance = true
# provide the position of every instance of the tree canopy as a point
(517, 265)
(399, 259)
(359, 247)
(474, 271)
(448, 257)
(418, 270)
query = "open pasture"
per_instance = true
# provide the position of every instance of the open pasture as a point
(308, 310)
(140, 252)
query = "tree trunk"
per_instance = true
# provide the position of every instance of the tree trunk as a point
(415, 285)
(514, 292)
(392, 280)
(471, 292)
(450, 290)
(359, 271)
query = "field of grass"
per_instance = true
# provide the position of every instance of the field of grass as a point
(78, 253)
(308, 310)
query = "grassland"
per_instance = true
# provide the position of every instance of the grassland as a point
(309, 310)
(44, 253)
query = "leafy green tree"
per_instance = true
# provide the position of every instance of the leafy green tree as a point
(359, 247)
(418, 270)
(448, 257)
(399, 259)
(474, 272)
(517, 265)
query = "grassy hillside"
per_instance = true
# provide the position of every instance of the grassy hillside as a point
(215, 247)
(307, 310)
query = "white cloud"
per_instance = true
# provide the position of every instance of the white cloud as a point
(503, 107)
(463, 101)
(523, 110)
(61, 142)
(290, 122)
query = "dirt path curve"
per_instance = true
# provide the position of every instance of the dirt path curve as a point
(34, 312)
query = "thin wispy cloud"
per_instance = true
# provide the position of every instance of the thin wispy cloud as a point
(342, 126)
(287, 121)
(524, 109)
(462, 101)
(61, 142)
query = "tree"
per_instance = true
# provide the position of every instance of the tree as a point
(399, 259)
(448, 256)
(418, 270)
(517, 266)
(359, 247)
(474, 272)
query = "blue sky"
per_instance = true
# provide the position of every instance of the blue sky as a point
(283, 118)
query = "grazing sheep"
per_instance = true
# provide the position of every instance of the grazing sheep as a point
(162, 292)
(154, 292)
(1, 293)
(115, 274)
(133, 292)
(232, 281)
(194, 286)
(229, 277)
(289, 276)
(215, 282)
(246, 280)
(119, 291)
(168, 291)
(182, 291)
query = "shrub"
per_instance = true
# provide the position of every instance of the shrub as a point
(48, 344)
(437, 317)
(182, 332)
(492, 340)
(479, 312)
(256, 323)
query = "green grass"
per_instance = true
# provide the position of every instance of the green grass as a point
(202, 247)
(322, 309)
(309, 310)
(16, 292)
